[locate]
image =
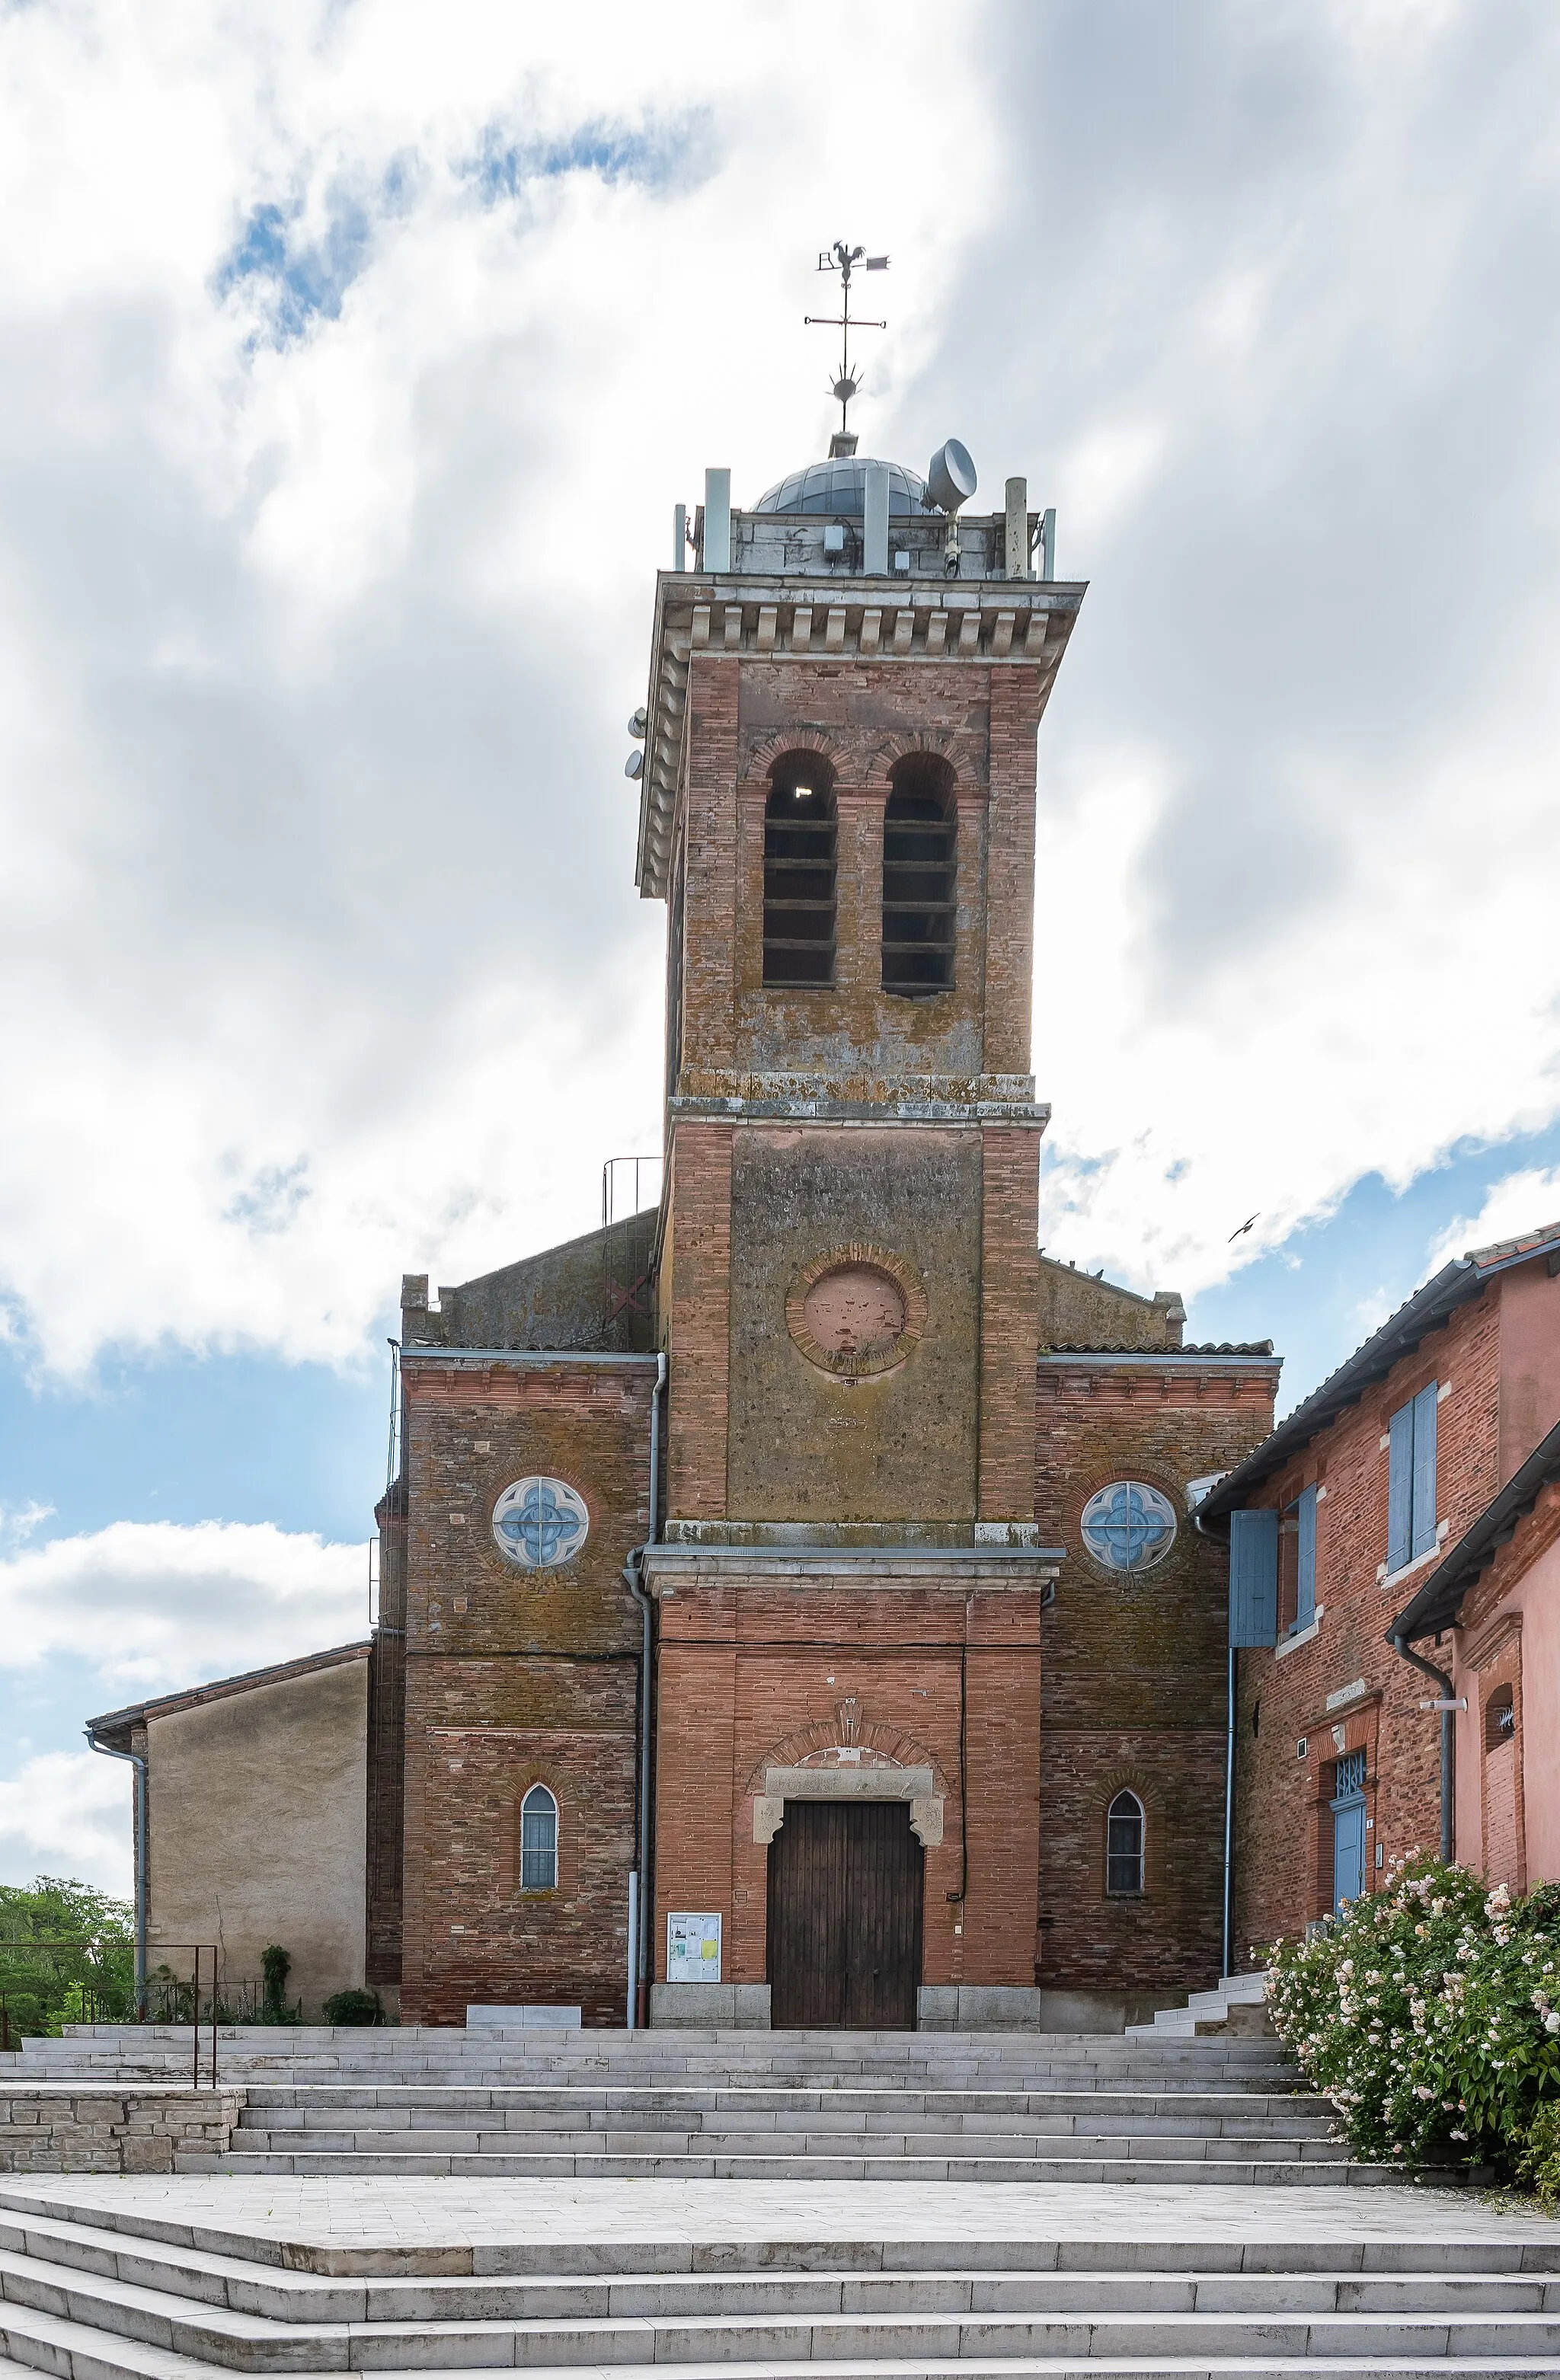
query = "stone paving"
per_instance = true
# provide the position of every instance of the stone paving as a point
(344, 2211)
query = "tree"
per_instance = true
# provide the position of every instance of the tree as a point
(66, 1956)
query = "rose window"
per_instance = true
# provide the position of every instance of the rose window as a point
(1128, 1526)
(538, 1524)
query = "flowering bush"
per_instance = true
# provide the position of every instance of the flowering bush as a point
(1429, 2014)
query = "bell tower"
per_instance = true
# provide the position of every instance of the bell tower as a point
(838, 803)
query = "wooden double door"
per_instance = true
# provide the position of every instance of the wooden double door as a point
(846, 1881)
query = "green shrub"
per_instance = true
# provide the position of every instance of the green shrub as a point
(353, 2006)
(1429, 2014)
(1538, 2164)
(274, 1963)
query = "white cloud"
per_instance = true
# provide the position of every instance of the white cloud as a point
(351, 378)
(69, 1813)
(323, 918)
(151, 1606)
(1523, 1202)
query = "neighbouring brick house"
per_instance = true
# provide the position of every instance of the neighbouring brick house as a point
(1340, 1527)
(807, 1564)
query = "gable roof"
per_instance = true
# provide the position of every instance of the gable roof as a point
(1463, 1279)
(120, 1722)
(1439, 1602)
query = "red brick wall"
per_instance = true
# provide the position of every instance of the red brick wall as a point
(1010, 1321)
(1136, 1672)
(1283, 1826)
(709, 835)
(862, 716)
(514, 1676)
(695, 1303)
(753, 1675)
(1015, 717)
(386, 1747)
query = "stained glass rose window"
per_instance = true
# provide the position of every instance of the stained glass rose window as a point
(1128, 1526)
(539, 1524)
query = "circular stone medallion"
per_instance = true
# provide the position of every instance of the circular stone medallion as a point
(856, 1312)
(540, 1523)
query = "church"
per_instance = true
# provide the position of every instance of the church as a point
(792, 1612)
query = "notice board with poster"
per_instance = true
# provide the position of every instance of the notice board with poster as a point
(693, 1946)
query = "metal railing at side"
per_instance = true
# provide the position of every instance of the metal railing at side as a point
(82, 1979)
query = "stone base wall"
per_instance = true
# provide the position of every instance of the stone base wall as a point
(66, 2130)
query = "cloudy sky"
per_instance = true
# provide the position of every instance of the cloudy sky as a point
(354, 357)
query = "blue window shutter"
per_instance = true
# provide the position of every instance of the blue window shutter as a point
(1400, 1487)
(1305, 1598)
(1424, 1470)
(1253, 1578)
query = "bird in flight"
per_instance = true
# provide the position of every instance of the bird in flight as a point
(1246, 1225)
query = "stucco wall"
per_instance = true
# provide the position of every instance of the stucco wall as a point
(257, 1829)
(1508, 1825)
(1530, 1361)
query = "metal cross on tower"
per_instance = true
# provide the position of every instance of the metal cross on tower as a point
(843, 259)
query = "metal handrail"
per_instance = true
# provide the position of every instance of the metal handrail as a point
(93, 1945)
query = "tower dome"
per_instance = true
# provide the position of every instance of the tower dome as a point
(837, 487)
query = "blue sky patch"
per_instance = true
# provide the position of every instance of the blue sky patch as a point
(655, 156)
(305, 274)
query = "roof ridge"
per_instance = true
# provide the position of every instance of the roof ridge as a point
(1497, 1249)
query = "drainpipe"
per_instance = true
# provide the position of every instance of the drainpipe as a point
(138, 1761)
(1447, 1706)
(642, 1901)
(1229, 1808)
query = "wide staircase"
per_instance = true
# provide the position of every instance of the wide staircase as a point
(594, 2202)
(129, 2281)
(742, 2106)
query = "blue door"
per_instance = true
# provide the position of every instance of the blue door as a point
(1348, 1829)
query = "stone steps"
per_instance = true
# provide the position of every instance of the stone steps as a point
(742, 2105)
(1253, 2175)
(770, 2318)
(1204, 2010)
(408, 2107)
(115, 2292)
(324, 2054)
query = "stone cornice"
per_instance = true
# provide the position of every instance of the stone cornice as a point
(998, 623)
(917, 1569)
(1027, 1114)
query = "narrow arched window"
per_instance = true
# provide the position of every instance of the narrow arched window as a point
(1500, 1718)
(919, 856)
(1124, 1845)
(539, 1841)
(799, 871)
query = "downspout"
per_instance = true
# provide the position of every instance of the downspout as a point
(138, 1761)
(1229, 1811)
(1227, 1969)
(631, 1570)
(1447, 1706)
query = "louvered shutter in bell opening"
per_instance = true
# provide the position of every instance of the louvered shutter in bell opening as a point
(1253, 1578)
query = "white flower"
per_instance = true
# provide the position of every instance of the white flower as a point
(1552, 2022)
